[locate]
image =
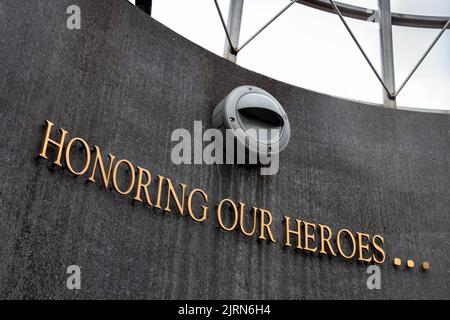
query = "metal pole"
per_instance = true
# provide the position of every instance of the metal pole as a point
(387, 52)
(336, 9)
(145, 5)
(234, 29)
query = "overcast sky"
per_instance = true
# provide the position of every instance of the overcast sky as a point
(311, 49)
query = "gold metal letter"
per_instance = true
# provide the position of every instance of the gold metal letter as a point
(338, 242)
(219, 215)
(325, 240)
(88, 156)
(288, 232)
(205, 208)
(309, 236)
(141, 185)
(241, 220)
(99, 160)
(47, 140)
(172, 194)
(362, 247)
(159, 192)
(379, 249)
(132, 173)
(265, 225)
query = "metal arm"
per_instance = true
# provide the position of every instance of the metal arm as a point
(398, 19)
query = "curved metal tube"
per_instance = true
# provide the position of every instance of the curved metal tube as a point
(398, 19)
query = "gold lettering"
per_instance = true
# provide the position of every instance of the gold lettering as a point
(309, 236)
(88, 156)
(288, 232)
(172, 194)
(141, 185)
(265, 225)
(159, 192)
(363, 243)
(379, 249)
(325, 240)
(205, 208)
(132, 174)
(99, 160)
(235, 214)
(338, 241)
(47, 140)
(241, 220)
(361, 247)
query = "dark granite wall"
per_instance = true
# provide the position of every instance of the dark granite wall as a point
(125, 82)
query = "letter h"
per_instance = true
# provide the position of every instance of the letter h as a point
(59, 144)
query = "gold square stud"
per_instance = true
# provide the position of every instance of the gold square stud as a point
(410, 264)
(426, 265)
(397, 262)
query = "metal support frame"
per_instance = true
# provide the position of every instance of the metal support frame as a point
(387, 52)
(387, 19)
(233, 46)
(398, 19)
(234, 29)
(446, 26)
(266, 25)
(360, 48)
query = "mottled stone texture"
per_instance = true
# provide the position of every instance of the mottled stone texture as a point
(125, 82)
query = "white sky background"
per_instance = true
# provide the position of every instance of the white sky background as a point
(311, 49)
